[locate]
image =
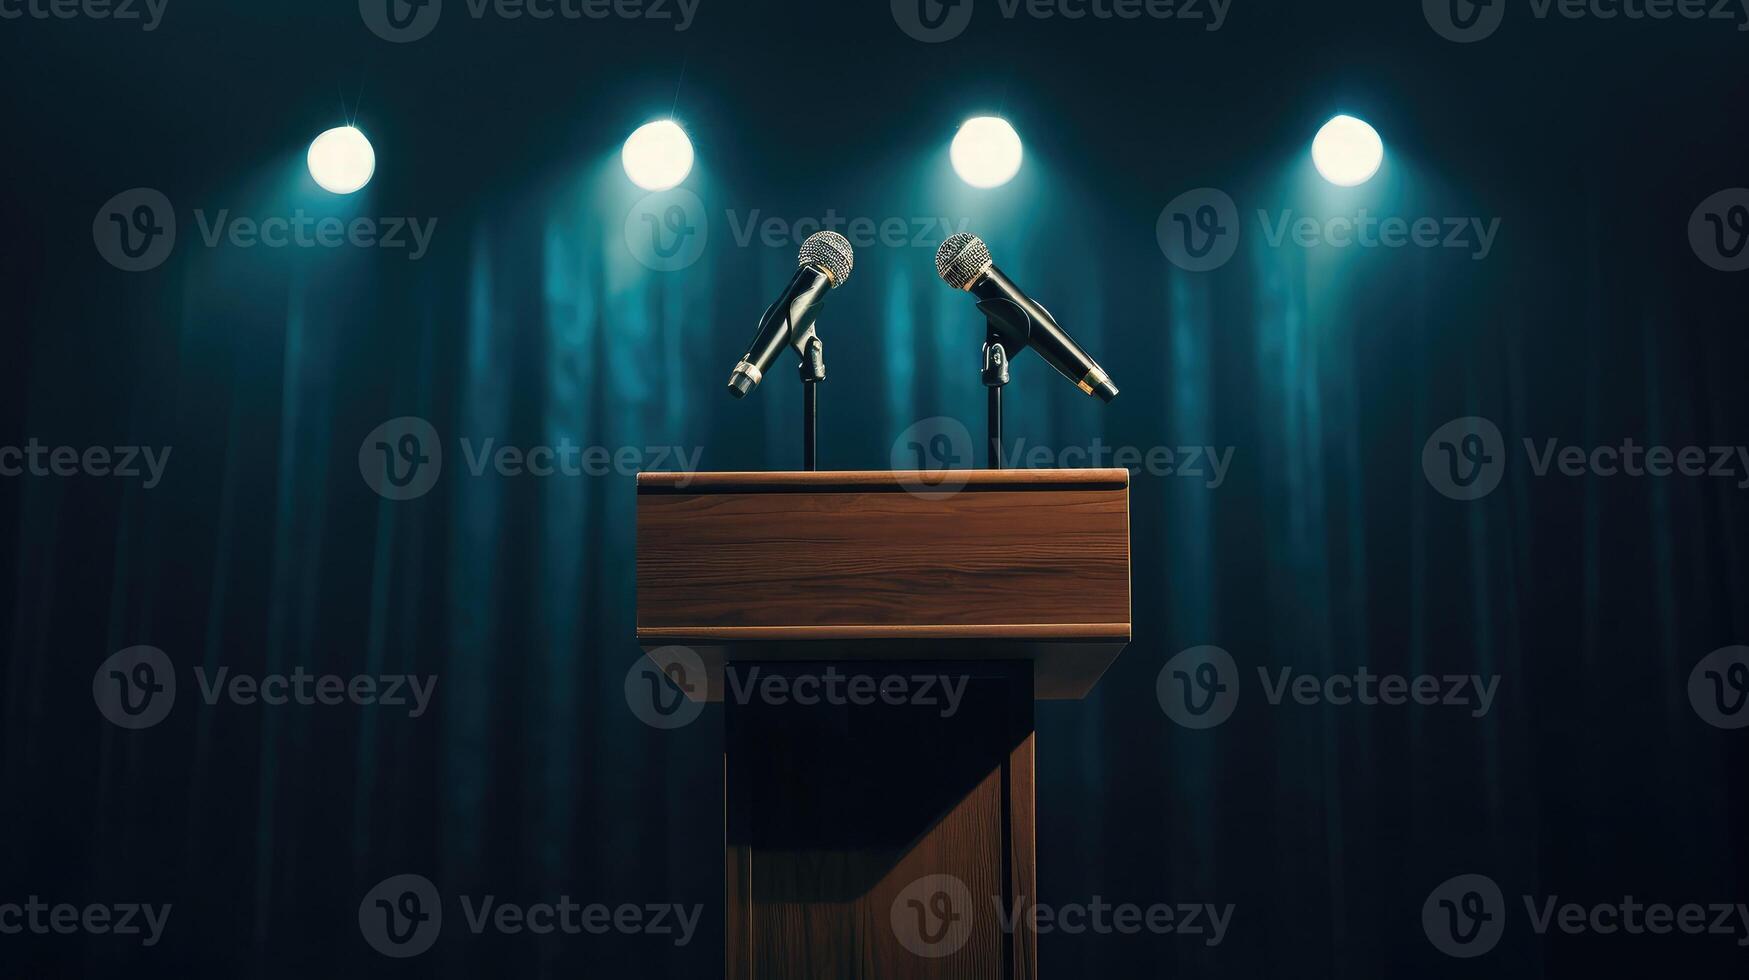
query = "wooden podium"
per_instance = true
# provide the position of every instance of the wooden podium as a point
(877, 825)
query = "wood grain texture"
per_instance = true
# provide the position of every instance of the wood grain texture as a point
(836, 816)
(1027, 557)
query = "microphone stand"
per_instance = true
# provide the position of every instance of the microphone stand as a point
(995, 375)
(1008, 327)
(813, 371)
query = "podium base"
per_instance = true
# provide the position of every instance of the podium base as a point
(879, 820)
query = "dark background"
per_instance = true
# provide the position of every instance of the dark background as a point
(528, 321)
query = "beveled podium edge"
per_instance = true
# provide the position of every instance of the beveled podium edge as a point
(925, 483)
(1067, 632)
(1064, 668)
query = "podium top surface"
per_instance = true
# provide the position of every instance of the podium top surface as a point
(890, 565)
(875, 481)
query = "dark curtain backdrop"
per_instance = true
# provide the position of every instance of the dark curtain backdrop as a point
(530, 321)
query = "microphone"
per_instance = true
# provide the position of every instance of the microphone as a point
(964, 262)
(825, 263)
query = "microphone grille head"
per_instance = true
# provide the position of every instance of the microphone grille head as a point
(830, 251)
(962, 259)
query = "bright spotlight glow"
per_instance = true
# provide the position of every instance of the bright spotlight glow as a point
(341, 160)
(1347, 151)
(986, 152)
(657, 155)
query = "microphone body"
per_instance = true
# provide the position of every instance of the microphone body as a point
(789, 322)
(1000, 299)
(823, 265)
(963, 261)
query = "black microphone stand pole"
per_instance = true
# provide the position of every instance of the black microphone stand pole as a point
(995, 375)
(1008, 329)
(813, 371)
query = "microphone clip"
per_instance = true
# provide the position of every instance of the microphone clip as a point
(1009, 328)
(813, 355)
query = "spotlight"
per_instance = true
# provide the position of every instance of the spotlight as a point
(341, 160)
(657, 155)
(1347, 151)
(986, 152)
